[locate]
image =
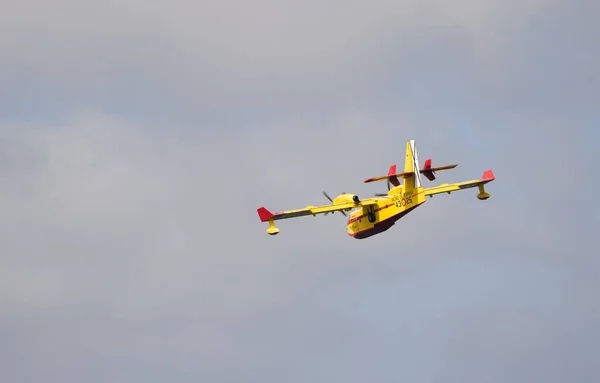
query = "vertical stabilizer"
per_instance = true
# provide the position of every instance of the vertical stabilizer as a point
(412, 174)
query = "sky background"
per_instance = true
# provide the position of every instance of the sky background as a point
(137, 140)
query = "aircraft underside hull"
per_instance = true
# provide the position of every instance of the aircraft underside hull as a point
(382, 226)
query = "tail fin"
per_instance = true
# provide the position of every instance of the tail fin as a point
(411, 174)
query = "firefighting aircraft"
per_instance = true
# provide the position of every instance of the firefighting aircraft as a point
(375, 215)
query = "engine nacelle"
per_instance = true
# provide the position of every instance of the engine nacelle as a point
(346, 198)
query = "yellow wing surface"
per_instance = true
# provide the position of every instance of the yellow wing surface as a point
(488, 176)
(266, 215)
(347, 202)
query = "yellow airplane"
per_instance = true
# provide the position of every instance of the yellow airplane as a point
(375, 215)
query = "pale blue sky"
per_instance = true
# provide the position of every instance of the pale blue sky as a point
(137, 141)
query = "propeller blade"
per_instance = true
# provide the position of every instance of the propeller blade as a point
(329, 198)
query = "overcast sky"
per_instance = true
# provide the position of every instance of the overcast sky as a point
(137, 140)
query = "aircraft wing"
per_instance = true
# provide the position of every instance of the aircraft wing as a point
(488, 176)
(266, 215)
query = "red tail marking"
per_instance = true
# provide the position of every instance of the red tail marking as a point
(392, 170)
(427, 172)
(392, 176)
(264, 214)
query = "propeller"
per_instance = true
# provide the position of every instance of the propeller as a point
(384, 194)
(329, 198)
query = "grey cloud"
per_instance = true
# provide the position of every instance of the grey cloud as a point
(250, 56)
(124, 248)
(131, 248)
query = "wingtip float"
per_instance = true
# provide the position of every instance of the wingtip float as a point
(371, 216)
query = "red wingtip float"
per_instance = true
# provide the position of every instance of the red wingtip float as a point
(374, 215)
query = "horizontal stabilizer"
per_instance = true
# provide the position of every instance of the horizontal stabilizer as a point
(427, 171)
(391, 176)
